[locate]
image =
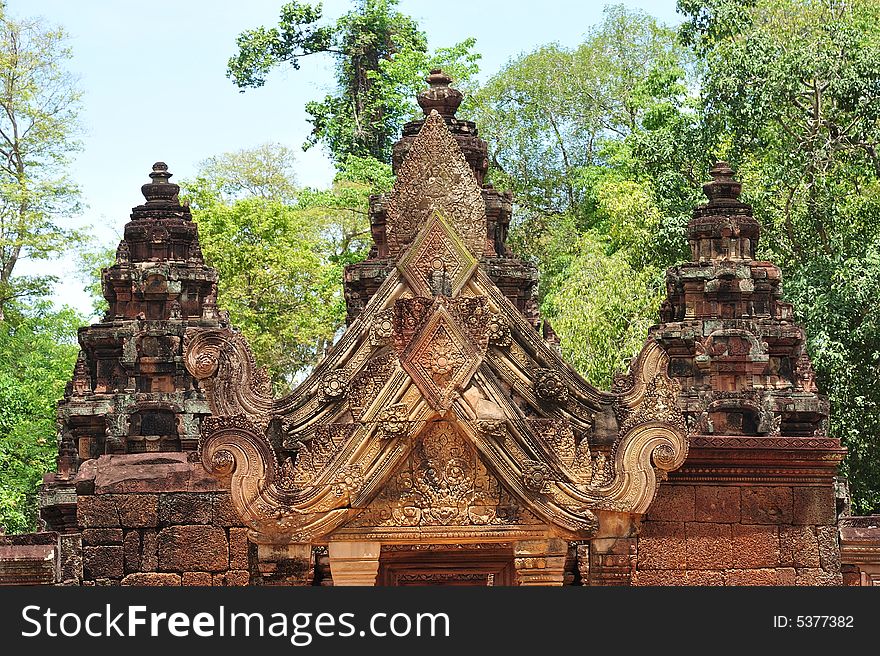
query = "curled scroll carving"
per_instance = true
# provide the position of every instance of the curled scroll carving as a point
(222, 362)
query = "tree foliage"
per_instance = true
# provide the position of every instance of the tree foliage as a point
(280, 255)
(38, 349)
(792, 91)
(589, 139)
(39, 103)
(381, 55)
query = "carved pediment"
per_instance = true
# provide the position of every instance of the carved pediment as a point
(441, 411)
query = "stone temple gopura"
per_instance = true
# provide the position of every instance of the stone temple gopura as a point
(443, 440)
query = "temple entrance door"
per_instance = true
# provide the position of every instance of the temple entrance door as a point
(401, 565)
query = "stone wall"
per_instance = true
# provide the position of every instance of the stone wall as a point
(739, 535)
(158, 519)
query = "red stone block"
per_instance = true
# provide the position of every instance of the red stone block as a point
(766, 505)
(816, 576)
(97, 536)
(232, 578)
(96, 511)
(193, 548)
(752, 577)
(132, 551)
(196, 578)
(662, 546)
(223, 511)
(785, 575)
(150, 554)
(829, 547)
(103, 562)
(798, 546)
(755, 546)
(137, 510)
(716, 504)
(238, 548)
(709, 546)
(185, 508)
(674, 503)
(659, 577)
(704, 577)
(151, 579)
(814, 505)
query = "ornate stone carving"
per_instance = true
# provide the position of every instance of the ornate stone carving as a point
(443, 483)
(498, 331)
(333, 387)
(437, 263)
(394, 421)
(382, 328)
(549, 386)
(435, 177)
(441, 358)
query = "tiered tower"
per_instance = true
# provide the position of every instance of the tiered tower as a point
(755, 500)
(517, 278)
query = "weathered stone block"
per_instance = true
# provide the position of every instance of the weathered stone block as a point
(150, 551)
(829, 548)
(752, 577)
(185, 508)
(131, 548)
(232, 578)
(96, 536)
(815, 576)
(709, 546)
(662, 546)
(96, 511)
(674, 503)
(238, 549)
(813, 505)
(785, 575)
(716, 504)
(704, 577)
(70, 558)
(196, 578)
(103, 562)
(755, 546)
(766, 505)
(224, 512)
(193, 548)
(151, 579)
(798, 546)
(137, 510)
(659, 577)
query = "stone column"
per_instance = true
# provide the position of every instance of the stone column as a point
(354, 563)
(540, 562)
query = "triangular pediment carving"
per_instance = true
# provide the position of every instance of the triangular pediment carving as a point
(435, 177)
(441, 410)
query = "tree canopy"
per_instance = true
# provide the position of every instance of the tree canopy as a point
(39, 106)
(380, 53)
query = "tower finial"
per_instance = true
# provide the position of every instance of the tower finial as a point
(160, 190)
(439, 95)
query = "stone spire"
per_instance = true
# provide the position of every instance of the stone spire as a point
(741, 360)
(130, 391)
(723, 228)
(515, 277)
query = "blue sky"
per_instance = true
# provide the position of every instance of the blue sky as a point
(154, 83)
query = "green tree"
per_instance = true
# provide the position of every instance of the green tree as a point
(791, 89)
(280, 263)
(590, 140)
(380, 57)
(39, 103)
(38, 349)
